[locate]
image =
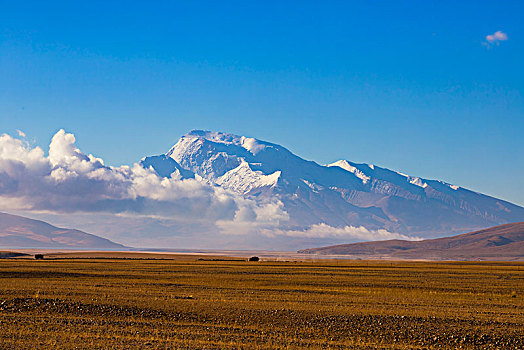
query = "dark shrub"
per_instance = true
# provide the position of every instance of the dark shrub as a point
(39, 256)
(254, 258)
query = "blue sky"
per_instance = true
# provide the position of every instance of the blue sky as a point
(412, 86)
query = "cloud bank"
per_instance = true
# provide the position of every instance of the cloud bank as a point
(66, 180)
(69, 181)
(323, 230)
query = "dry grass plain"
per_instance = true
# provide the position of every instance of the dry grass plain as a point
(188, 303)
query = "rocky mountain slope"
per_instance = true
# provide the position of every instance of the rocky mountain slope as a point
(339, 194)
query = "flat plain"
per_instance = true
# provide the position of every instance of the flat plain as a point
(187, 303)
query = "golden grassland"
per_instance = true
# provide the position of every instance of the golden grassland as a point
(204, 304)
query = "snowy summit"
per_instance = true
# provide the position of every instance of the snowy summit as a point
(339, 194)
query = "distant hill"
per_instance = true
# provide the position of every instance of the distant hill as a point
(504, 242)
(20, 232)
(7, 254)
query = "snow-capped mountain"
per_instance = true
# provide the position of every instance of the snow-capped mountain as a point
(339, 194)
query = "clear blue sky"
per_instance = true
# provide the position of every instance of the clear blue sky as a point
(409, 85)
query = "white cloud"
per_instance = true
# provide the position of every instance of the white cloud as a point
(69, 181)
(20, 133)
(255, 219)
(323, 230)
(495, 38)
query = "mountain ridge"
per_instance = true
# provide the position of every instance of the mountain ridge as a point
(338, 194)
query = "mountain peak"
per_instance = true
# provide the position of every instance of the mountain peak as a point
(339, 194)
(212, 135)
(349, 166)
(248, 143)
